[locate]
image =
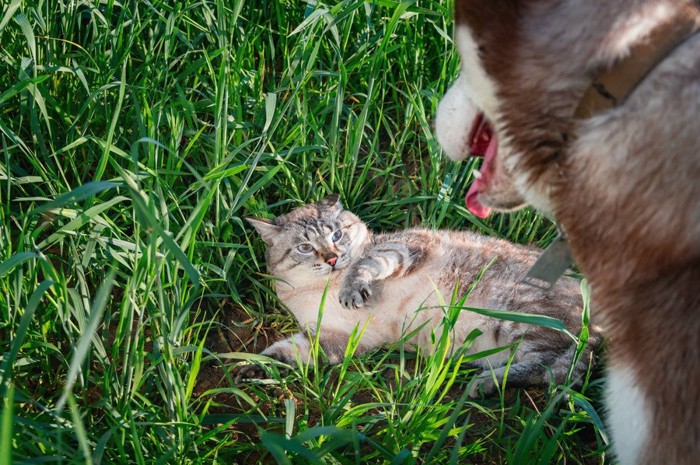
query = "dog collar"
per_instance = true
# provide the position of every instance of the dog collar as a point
(551, 264)
(610, 88)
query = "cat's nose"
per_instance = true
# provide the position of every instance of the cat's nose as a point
(331, 258)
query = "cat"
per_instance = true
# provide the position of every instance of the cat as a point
(391, 284)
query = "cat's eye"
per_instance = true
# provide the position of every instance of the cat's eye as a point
(305, 248)
(337, 235)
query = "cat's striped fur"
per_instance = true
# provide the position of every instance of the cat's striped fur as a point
(391, 283)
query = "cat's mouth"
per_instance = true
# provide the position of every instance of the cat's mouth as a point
(340, 264)
(324, 267)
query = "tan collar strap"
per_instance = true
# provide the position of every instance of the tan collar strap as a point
(612, 86)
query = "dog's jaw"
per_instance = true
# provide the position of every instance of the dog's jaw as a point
(463, 130)
(474, 94)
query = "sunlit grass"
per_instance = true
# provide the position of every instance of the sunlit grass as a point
(134, 139)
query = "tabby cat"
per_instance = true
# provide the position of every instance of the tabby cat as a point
(391, 283)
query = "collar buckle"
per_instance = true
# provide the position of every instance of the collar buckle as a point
(551, 264)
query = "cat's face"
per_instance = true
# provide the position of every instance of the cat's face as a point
(311, 241)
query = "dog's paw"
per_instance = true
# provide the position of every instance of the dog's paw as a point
(355, 294)
(483, 384)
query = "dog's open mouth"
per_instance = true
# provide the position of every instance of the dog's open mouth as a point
(482, 143)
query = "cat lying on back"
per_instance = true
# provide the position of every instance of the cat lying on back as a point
(388, 282)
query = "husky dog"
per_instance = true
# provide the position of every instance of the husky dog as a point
(589, 110)
(337, 278)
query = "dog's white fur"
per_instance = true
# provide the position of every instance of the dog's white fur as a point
(625, 184)
(629, 414)
(453, 119)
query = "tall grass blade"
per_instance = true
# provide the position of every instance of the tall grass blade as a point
(79, 429)
(8, 403)
(168, 241)
(537, 320)
(9, 358)
(14, 261)
(81, 350)
(86, 191)
(9, 12)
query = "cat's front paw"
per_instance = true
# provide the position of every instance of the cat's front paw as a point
(355, 294)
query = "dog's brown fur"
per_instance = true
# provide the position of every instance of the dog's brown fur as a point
(625, 185)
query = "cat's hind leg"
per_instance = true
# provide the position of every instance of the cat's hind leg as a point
(533, 369)
(285, 351)
(523, 373)
(298, 349)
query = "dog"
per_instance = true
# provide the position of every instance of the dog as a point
(590, 111)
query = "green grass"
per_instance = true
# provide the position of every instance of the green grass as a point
(135, 136)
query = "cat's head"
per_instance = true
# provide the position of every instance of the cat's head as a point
(312, 240)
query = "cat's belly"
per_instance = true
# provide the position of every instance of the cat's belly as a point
(401, 306)
(417, 303)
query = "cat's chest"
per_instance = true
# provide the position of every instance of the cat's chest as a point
(308, 300)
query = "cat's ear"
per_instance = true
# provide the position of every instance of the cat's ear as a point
(266, 228)
(333, 201)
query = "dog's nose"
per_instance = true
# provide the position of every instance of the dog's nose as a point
(331, 258)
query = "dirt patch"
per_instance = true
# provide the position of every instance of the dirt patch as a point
(235, 331)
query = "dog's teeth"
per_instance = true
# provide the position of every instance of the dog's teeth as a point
(477, 174)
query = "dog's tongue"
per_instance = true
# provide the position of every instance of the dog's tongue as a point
(483, 143)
